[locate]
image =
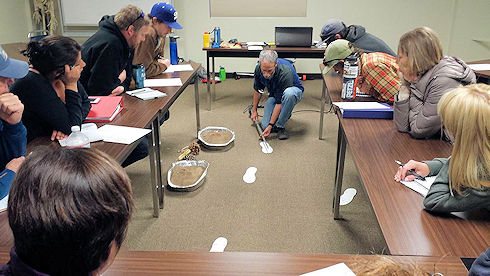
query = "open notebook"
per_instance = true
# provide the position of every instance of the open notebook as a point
(420, 186)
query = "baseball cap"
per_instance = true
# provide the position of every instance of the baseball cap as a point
(12, 68)
(338, 49)
(166, 13)
(331, 27)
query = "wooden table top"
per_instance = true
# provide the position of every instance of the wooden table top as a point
(251, 263)
(13, 50)
(407, 228)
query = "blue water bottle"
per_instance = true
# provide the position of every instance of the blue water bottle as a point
(217, 37)
(174, 56)
(139, 75)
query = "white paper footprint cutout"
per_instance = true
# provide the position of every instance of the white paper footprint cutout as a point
(219, 245)
(249, 176)
(266, 148)
(347, 196)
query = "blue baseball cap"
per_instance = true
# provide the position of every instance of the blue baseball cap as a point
(12, 68)
(166, 13)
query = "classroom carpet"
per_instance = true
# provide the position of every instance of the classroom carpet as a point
(289, 206)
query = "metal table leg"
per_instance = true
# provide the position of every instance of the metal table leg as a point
(208, 84)
(214, 80)
(339, 171)
(196, 99)
(156, 186)
(322, 110)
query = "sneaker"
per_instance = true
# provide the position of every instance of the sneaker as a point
(274, 129)
(282, 134)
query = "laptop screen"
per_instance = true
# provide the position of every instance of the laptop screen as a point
(293, 36)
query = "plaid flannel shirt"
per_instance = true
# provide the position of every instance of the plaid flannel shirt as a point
(381, 72)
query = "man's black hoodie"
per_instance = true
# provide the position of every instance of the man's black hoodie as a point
(106, 54)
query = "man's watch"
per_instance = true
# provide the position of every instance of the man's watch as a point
(271, 124)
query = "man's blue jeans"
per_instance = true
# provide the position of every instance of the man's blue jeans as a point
(291, 96)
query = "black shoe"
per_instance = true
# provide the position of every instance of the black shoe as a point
(282, 134)
(274, 129)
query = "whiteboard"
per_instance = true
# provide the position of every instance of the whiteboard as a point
(89, 12)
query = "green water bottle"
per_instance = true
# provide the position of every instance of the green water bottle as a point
(222, 73)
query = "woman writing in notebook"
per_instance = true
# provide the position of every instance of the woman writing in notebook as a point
(53, 99)
(462, 180)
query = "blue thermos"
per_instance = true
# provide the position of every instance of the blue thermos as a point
(217, 37)
(174, 56)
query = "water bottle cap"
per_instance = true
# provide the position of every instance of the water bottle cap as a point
(206, 32)
(75, 128)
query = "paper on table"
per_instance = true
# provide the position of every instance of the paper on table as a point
(122, 134)
(178, 68)
(90, 130)
(340, 269)
(256, 43)
(163, 82)
(360, 105)
(420, 186)
(255, 48)
(3, 203)
(146, 93)
(479, 67)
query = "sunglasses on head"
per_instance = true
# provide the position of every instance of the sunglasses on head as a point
(142, 15)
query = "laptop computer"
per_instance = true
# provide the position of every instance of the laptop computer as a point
(293, 36)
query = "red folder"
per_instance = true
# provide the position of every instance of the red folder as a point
(105, 110)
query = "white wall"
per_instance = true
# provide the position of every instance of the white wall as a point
(15, 21)
(456, 21)
(463, 25)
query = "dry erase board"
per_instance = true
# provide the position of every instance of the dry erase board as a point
(257, 8)
(89, 12)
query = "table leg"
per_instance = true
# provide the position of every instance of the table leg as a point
(153, 168)
(339, 171)
(322, 110)
(214, 80)
(158, 159)
(208, 83)
(196, 99)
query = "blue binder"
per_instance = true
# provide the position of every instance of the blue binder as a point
(382, 113)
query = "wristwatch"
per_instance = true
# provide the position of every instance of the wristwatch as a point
(271, 124)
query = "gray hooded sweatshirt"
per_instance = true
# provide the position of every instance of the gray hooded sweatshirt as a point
(417, 114)
(441, 198)
(369, 43)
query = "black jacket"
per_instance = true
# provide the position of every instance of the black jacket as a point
(106, 54)
(369, 43)
(43, 109)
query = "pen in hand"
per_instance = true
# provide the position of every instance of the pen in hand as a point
(412, 171)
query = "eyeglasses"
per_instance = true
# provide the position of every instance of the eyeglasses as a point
(142, 15)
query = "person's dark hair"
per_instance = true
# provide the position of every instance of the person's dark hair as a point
(51, 54)
(66, 208)
(149, 17)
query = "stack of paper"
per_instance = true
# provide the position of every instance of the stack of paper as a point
(122, 134)
(178, 68)
(480, 67)
(420, 186)
(163, 82)
(146, 93)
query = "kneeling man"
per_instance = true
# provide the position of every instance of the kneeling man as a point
(285, 91)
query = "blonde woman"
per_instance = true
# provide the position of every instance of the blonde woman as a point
(426, 75)
(463, 180)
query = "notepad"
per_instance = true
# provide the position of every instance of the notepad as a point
(420, 186)
(122, 134)
(163, 82)
(4, 203)
(339, 269)
(146, 93)
(368, 110)
(178, 68)
(479, 67)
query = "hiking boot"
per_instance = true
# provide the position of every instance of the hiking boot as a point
(282, 134)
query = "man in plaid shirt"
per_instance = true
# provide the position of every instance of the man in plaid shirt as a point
(378, 74)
